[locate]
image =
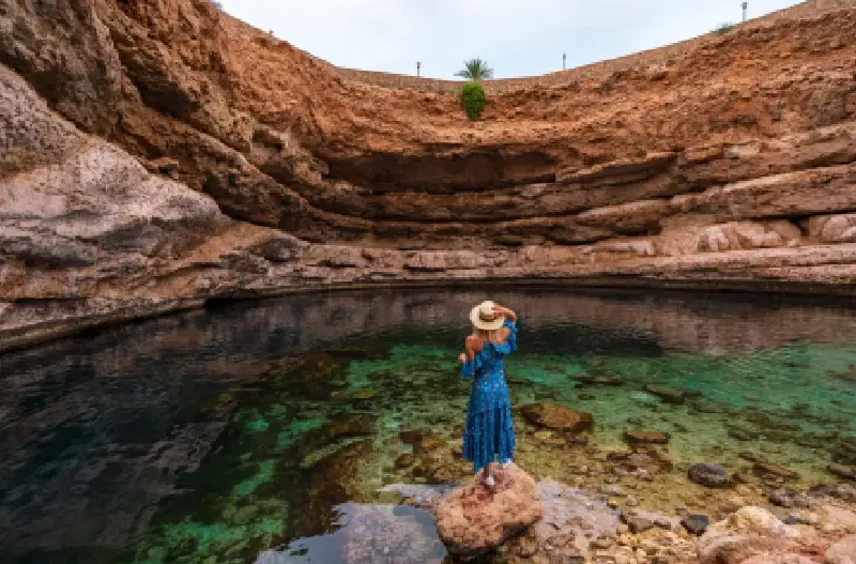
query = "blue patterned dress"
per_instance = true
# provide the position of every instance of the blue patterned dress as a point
(490, 432)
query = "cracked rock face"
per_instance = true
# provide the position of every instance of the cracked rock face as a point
(159, 154)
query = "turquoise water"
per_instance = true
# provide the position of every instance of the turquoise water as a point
(266, 431)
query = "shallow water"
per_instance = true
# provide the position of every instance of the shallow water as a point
(264, 431)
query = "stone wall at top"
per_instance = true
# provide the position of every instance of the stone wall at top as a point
(660, 55)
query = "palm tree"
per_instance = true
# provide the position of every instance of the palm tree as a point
(475, 69)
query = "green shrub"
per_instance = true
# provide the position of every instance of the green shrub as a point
(724, 28)
(473, 99)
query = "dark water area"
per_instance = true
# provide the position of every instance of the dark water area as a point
(271, 431)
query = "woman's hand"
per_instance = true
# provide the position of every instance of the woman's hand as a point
(463, 357)
(505, 312)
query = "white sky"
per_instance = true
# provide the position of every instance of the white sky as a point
(516, 37)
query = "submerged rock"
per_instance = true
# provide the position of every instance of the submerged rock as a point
(348, 426)
(787, 497)
(475, 519)
(646, 437)
(742, 433)
(709, 475)
(404, 461)
(665, 393)
(845, 451)
(842, 471)
(559, 417)
(774, 470)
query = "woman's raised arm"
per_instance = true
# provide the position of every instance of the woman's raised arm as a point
(505, 312)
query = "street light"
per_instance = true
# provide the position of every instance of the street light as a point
(418, 67)
(564, 59)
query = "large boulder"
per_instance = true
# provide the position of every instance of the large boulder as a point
(474, 519)
(559, 417)
(749, 534)
(842, 552)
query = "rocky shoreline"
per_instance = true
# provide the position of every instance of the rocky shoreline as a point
(623, 507)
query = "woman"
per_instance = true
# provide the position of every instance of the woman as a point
(489, 433)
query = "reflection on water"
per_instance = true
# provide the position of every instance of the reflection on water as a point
(265, 430)
(397, 534)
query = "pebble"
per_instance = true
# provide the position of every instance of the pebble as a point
(710, 475)
(612, 490)
(696, 524)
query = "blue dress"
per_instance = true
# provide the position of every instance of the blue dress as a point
(489, 434)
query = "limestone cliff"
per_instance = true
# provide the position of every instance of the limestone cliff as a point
(159, 154)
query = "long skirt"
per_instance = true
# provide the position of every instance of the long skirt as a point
(489, 437)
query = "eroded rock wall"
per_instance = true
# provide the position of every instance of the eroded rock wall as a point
(159, 154)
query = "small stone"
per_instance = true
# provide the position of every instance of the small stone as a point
(612, 490)
(646, 437)
(842, 471)
(783, 497)
(746, 478)
(742, 434)
(442, 475)
(770, 469)
(613, 502)
(791, 520)
(743, 490)
(696, 524)
(404, 461)
(527, 549)
(709, 475)
(363, 395)
(637, 523)
(665, 393)
(751, 456)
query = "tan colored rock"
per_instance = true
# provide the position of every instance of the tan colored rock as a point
(646, 437)
(842, 552)
(474, 519)
(833, 228)
(558, 417)
(749, 532)
(773, 558)
(748, 235)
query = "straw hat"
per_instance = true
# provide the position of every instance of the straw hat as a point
(483, 317)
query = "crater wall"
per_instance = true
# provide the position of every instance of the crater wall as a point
(160, 154)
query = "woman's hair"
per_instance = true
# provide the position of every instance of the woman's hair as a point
(494, 336)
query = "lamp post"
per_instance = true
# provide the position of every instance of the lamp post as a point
(418, 67)
(564, 60)
(745, 7)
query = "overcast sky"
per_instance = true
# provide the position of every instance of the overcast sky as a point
(516, 37)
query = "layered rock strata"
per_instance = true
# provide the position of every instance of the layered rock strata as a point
(160, 154)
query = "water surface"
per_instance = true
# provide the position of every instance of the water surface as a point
(264, 431)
